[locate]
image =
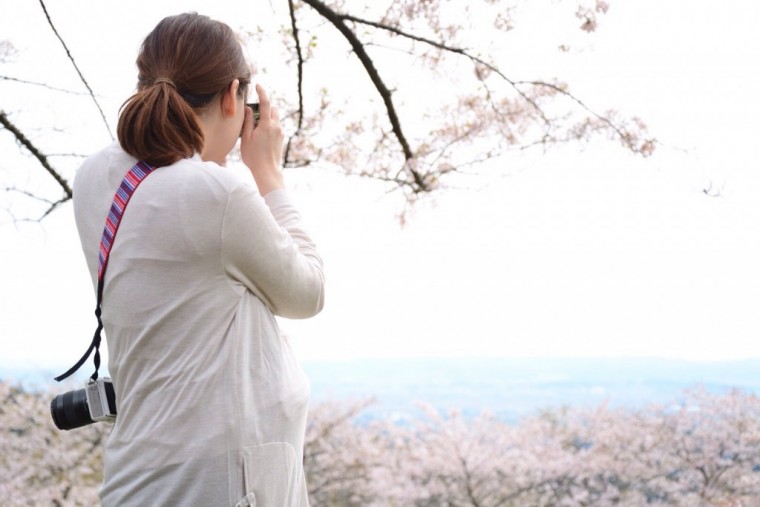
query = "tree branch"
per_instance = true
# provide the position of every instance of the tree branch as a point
(450, 49)
(22, 139)
(578, 101)
(17, 80)
(337, 21)
(52, 205)
(68, 53)
(515, 84)
(76, 155)
(299, 54)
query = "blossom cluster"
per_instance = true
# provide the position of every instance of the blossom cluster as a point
(703, 450)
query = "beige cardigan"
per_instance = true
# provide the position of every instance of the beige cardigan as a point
(211, 402)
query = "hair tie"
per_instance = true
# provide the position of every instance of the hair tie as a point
(165, 80)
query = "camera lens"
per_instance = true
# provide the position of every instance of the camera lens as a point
(69, 410)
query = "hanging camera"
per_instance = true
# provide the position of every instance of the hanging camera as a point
(74, 409)
(97, 401)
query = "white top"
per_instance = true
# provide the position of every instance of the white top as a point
(211, 401)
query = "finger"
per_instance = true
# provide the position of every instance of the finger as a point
(264, 106)
(247, 122)
(275, 115)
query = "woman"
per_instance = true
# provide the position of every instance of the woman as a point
(211, 402)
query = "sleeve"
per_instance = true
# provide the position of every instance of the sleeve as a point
(265, 248)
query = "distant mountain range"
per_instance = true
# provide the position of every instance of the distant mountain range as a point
(507, 387)
(514, 387)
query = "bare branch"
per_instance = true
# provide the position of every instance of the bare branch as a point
(299, 54)
(24, 81)
(75, 155)
(68, 53)
(28, 194)
(22, 139)
(52, 205)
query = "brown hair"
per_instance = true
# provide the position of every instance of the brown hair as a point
(183, 64)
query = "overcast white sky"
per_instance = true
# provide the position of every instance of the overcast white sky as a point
(582, 252)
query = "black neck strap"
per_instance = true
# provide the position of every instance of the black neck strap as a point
(121, 198)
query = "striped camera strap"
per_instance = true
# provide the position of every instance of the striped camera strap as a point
(121, 198)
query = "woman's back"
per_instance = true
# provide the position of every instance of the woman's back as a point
(211, 403)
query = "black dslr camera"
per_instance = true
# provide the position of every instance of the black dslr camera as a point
(74, 409)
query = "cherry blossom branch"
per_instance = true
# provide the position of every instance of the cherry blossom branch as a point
(338, 22)
(624, 137)
(559, 89)
(450, 49)
(469, 487)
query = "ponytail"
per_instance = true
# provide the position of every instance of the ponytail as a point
(158, 126)
(186, 62)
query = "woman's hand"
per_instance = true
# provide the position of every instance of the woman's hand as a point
(261, 148)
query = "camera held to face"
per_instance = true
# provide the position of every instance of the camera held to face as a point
(256, 114)
(74, 409)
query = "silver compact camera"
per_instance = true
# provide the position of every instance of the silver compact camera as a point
(74, 409)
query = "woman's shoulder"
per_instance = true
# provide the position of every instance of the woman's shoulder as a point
(207, 184)
(97, 179)
(107, 167)
(204, 173)
(102, 167)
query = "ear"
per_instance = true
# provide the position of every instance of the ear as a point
(230, 99)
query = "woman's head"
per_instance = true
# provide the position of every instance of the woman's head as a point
(185, 65)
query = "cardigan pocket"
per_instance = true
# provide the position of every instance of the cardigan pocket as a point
(271, 476)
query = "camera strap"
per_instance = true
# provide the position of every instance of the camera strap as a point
(121, 198)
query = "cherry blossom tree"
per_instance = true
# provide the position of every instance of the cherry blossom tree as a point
(419, 91)
(341, 457)
(39, 464)
(701, 450)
